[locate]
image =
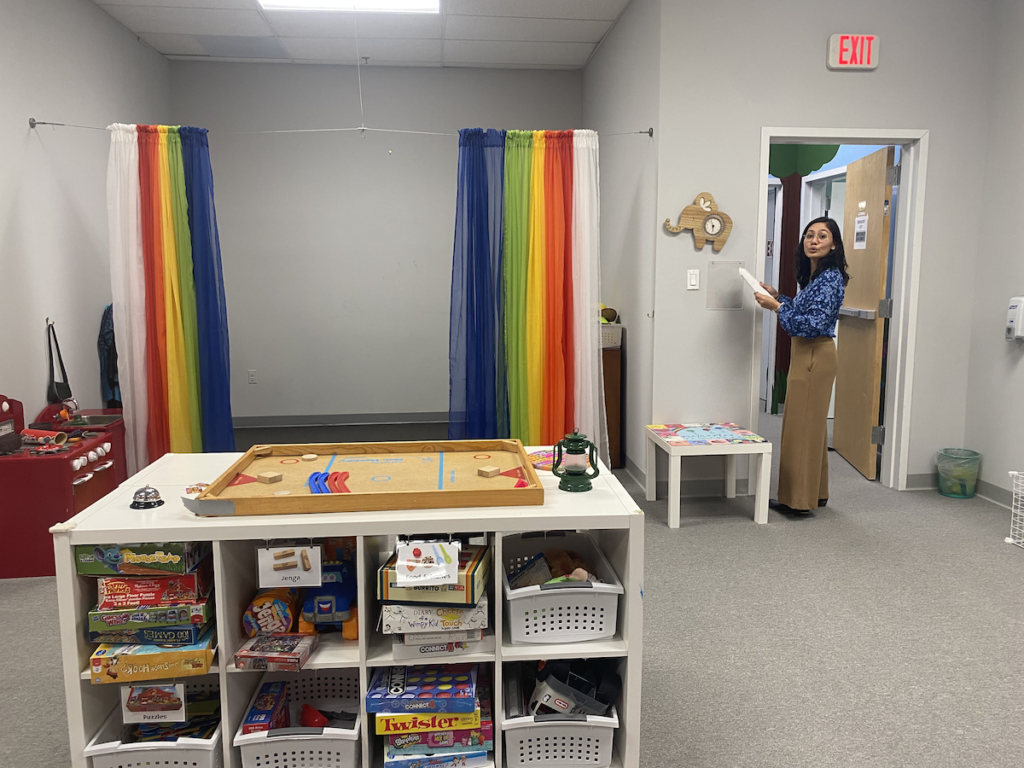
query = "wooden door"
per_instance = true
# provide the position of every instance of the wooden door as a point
(861, 330)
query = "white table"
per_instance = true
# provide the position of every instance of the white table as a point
(607, 512)
(761, 479)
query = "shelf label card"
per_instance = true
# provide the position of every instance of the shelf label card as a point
(291, 566)
(164, 703)
(427, 563)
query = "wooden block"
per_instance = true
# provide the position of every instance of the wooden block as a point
(310, 457)
(286, 566)
(284, 553)
(270, 477)
(488, 471)
(306, 565)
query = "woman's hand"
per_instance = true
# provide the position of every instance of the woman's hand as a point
(772, 291)
(767, 301)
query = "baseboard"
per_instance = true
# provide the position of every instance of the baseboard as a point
(691, 489)
(638, 475)
(340, 420)
(995, 494)
(926, 482)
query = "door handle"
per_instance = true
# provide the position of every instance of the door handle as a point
(863, 314)
(83, 479)
(103, 466)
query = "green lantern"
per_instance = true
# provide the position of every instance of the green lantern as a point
(574, 472)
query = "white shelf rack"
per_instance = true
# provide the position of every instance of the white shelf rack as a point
(607, 512)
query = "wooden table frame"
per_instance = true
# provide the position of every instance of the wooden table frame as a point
(762, 473)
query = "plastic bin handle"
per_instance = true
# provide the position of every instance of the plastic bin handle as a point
(568, 585)
(578, 717)
(296, 731)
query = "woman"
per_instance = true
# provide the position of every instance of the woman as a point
(810, 319)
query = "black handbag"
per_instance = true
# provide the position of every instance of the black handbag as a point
(57, 391)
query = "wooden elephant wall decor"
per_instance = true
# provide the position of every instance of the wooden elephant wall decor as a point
(706, 221)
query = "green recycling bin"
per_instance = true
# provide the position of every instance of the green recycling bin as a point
(958, 472)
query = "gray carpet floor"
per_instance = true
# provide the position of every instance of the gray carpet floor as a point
(885, 630)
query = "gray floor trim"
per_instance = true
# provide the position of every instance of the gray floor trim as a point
(340, 420)
(995, 494)
(925, 482)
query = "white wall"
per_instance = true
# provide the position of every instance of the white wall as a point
(337, 247)
(727, 73)
(995, 417)
(620, 86)
(61, 61)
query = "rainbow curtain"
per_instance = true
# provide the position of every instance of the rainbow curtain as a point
(512, 349)
(181, 401)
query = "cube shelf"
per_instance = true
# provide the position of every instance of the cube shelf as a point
(607, 513)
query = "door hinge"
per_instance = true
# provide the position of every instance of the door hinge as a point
(878, 435)
(885, 308)
(892, 175)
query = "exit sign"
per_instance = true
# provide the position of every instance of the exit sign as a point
(853, 51)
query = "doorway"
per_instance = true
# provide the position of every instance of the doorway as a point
(896, 278)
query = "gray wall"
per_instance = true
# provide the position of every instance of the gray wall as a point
(995, 419)
(620, 87)
(62, 61)
(338, 247)
(726, 74)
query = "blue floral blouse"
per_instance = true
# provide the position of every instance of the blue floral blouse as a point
(815, 309)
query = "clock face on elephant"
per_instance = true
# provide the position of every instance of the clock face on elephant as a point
(705, 220)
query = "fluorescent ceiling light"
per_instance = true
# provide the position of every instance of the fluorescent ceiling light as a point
(380, 6)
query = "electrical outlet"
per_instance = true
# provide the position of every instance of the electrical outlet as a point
(693, 279)
(252, 376)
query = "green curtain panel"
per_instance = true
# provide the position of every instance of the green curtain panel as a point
(518, 159)
(183, 243)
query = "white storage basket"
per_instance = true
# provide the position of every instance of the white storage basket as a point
(560, 741)
(568, 612)
(108, 750)
(611, 335)
(298, 747)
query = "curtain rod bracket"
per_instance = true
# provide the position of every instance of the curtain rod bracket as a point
(31, 122)
(650, 132)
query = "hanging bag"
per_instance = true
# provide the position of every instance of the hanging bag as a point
(57, 391)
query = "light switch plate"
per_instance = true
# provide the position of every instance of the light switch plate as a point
(692, 279)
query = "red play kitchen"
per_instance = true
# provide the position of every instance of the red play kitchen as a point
(75, 458)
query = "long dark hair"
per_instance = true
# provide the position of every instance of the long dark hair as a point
(836, 258)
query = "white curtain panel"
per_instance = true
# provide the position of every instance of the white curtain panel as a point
(128, 285)
(586, 277)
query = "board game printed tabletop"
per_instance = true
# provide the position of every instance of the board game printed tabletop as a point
(712, 433)
(374, 476)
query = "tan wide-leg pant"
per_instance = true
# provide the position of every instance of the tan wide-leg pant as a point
(803, 461)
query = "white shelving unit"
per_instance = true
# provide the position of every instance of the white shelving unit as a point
(607, 512)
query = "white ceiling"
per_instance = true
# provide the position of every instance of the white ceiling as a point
(520, 34)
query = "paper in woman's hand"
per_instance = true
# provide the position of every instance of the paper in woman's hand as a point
(752, 282)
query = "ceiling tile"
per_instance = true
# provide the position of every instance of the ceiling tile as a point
(516, 53)
(189, 21)
(341, 24)
(245, 5)
(538, 30)
(606, 10)
(235, 47)
(184, 45)
(344, 49)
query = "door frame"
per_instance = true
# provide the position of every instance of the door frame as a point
(905, 277)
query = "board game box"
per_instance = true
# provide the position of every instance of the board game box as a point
(282, 652)
(457, 636)
(402, 618)
(388, 723)
(474, 570)
(404, 651)
(117, 663)
(452, 760)
(129, 619)
(182, 634)
(439, 688)
(269, 709)
(154, 559)
(132, 591)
